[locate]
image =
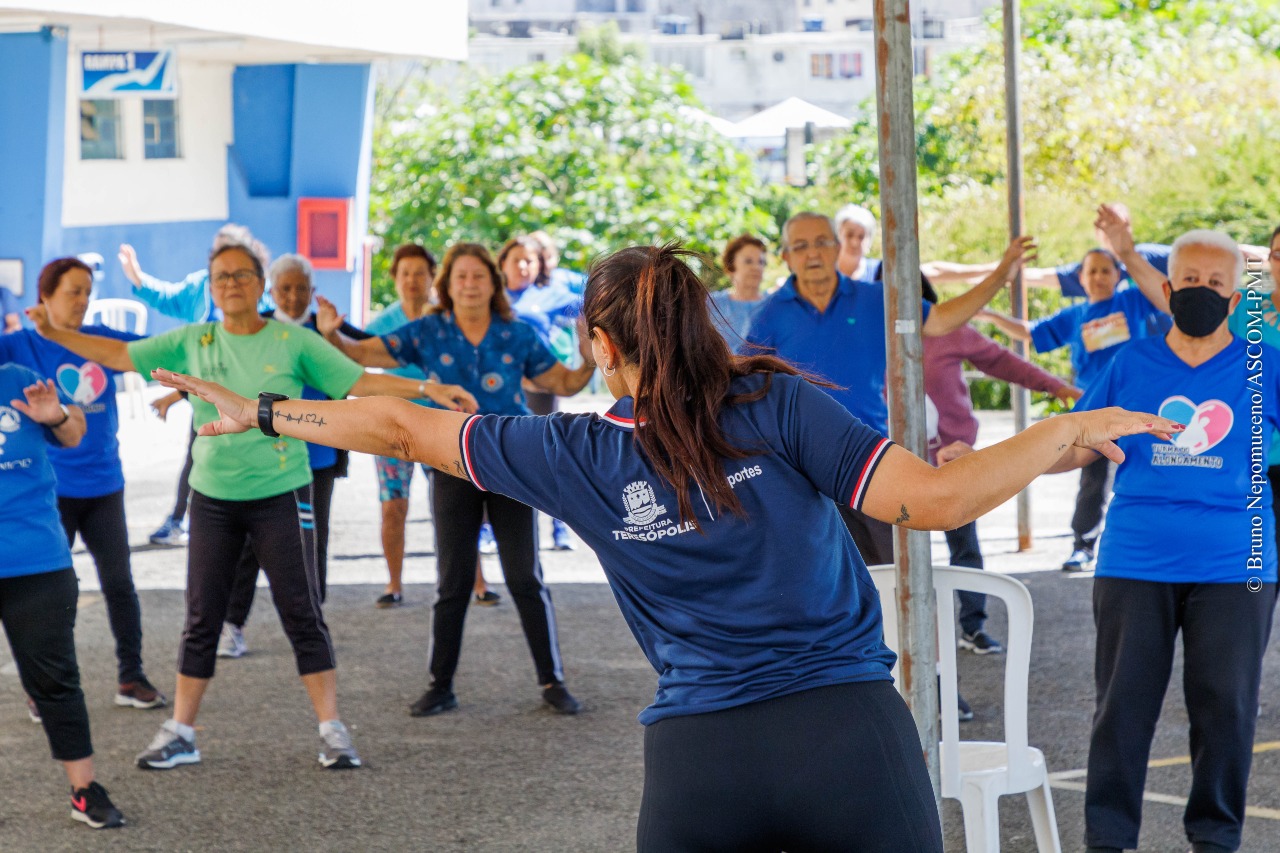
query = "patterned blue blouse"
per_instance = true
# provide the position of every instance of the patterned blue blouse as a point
(491, 371)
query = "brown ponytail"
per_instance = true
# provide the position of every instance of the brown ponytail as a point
(654, 308)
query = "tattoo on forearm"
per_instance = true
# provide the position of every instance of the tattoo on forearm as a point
(903, 517)
(455, 470)
(305, 417)
(1061, 447)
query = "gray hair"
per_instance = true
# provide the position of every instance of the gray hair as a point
(290, 263)
(1208, 239)
(803, 215)
(859, 214)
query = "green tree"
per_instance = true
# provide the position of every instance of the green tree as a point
(601, 154)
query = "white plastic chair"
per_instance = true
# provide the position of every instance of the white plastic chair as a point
(123, 315)
(978, 773)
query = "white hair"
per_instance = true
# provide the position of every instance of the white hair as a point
(802, 215)
(290, 263)
(859, 214)
(1208, 239)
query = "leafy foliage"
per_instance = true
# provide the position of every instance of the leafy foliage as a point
(600, 154)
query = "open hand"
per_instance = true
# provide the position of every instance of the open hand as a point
(328, 320)
(1068, 393)
(453, 397)
(42, 404)
(161, 405)
(39, 317)
(1115, 225)
(129, 263)
(238, 414)
(1020, 251)
(1099, 429)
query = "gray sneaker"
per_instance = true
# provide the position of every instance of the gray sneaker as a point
(338, 753)
(231, 644)
(168, 750)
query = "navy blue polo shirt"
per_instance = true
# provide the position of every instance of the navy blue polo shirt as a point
(755, 606)
(845, 343)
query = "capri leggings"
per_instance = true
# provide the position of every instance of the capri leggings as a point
(282, 531)
(835, 768)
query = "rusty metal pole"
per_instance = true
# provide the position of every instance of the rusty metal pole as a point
(1018, 296)
(917, 626)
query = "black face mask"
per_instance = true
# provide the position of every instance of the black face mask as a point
(1198, 311)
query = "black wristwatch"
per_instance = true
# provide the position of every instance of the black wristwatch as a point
(265, 401)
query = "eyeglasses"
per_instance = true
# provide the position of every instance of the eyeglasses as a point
(819, 244)
(245, 277)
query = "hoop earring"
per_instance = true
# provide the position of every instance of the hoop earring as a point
(608, 371)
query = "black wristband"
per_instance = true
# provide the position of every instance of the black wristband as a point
(266, 400)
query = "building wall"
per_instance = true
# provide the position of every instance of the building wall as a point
(255, 140)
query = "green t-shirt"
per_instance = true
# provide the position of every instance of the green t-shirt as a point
(280, 358)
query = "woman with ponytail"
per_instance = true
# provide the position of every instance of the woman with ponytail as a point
(707, 493)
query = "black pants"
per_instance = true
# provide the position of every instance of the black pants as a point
(101, 524)
(283, 535)
(1225, 629)
(457, 510)
(874, 538)
(184, 487)
(1091, 502)
(39, 616)
(830, 769)
(966, 551)
(245, 582)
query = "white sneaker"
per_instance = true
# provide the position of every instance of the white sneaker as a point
(338, 753)
(231, 644)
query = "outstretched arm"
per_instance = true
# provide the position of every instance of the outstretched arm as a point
(378, 425)
(907, 491)
(950, 315)
(562, 381)
(108, 352)
(370, 352)
(1019, 330)
(453, 397)
(1120, 232)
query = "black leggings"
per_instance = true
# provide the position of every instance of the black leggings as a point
(283, 537)
(458, 508)
(245, 583)
(100, 523)
(184, 487)
(39, 616)
(829, 769)
(1095, 487)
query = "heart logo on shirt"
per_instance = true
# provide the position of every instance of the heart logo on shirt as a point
(1207, 423)
(83, 384)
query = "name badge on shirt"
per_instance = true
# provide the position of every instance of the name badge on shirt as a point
(1104, 332)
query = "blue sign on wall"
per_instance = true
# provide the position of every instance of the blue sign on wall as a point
(122, 73)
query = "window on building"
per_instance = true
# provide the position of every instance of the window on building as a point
(851, 66)
(820, 66)
(100, 137)
(160, 130)
(537, 56)
(635, 5)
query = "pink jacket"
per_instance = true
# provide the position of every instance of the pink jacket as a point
(944, 383)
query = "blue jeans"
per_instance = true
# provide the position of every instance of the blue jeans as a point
(965, 551)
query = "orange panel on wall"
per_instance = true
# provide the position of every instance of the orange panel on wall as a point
(323, 224)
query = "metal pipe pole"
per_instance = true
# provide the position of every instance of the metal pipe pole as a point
(1013, 134)
(917, 626)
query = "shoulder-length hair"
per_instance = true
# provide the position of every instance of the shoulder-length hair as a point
(498, 303)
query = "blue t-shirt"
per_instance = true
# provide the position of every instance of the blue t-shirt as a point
(8, 305)
(491, 371)
(1191, 510)
(754, 607)
(1157, 254)
(572, 279)
(92, 468)
(552, 310)
(30, 526)
(1095, 331)
(732, 317)
(845, 343)
(1257, 318)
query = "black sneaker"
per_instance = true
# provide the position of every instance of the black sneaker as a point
(561, 699)
(963, 712)
(389, 599)
(488, 598)
(436, 700)
(91, 805)
(980, 643)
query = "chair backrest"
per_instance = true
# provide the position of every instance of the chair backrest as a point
(946, 581)
(123, 315)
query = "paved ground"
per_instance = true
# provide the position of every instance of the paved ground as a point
(502, 773)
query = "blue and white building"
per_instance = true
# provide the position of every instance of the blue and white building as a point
(154, 122)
